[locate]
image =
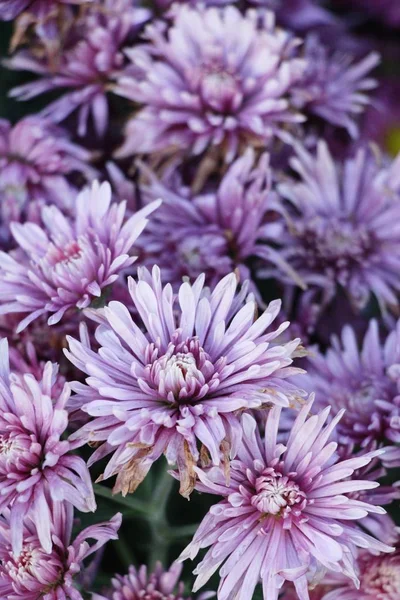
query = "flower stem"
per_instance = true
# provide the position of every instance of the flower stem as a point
(130, 502)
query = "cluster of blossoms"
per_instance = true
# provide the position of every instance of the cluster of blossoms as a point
(199, 296)
(85, 58)
(35, 158)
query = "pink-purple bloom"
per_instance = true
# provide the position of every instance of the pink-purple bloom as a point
(379, 580)
(36, 158)
(339, 225)
(216, 232)
(68, 262)
(86, 63)
(175, 378)
(158, 584)
(335, 86)
(366, 382)
(34, 573)
(215, 78)
(24, 359)
(287, 512)
(35, 460)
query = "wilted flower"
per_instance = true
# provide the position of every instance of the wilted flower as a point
(214, 233)
(335, 86)
(366, 382)
(214, 78)
(286, 512)
(87, 61)
(35, 158)
(157, 585)
(33, 573)
(35, 462)
(341, 226)
(69, 261)
(202, 358)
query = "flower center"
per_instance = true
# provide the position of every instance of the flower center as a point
(334, 244)
(184, 373)
(381, 578)
(363, 416)
(20, 454)
(276, 494)
(204, 254)
(26, 564)
(32, 572)
(12, 448)
(363, 400)
(218, 87)
(7, 446)
(14, 199)
(63, 255)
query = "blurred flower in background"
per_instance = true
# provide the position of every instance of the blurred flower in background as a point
(340, 225)
(216, 78)
(366, 382)
(36, 159)
(216, 232)
(85, 63)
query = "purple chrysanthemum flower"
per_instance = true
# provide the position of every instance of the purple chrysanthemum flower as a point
(379, 580)
(159, 584)
(89, 58)
(35, 158)
(202, 358)
(286, 512)
(35, 462)
(366, 383)
(68, 262)
(33, 573)
(215, 78)
(335, 86)
(340, 227)
(380, 525)
(214, 233)
(24, 359)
